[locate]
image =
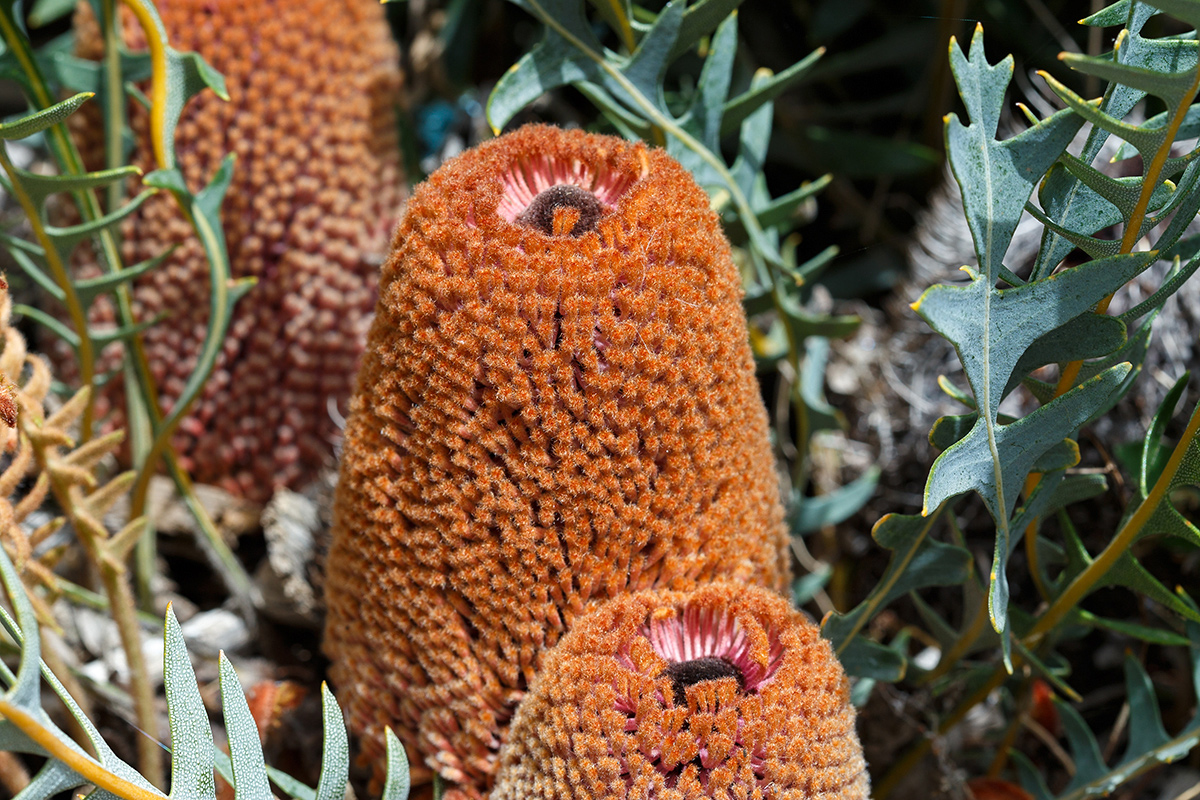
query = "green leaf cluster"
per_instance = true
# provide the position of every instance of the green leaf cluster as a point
(27, 728)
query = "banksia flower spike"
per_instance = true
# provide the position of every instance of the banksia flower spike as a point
(315, 193)
(557, 406)
(723, 692)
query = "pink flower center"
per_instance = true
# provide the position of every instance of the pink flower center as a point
(703, 633)
(535, 187)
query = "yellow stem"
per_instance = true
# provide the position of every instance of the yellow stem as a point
(1084, 581)
(1031, 537)
(155, 42)
(1133, 229)
(86, 767)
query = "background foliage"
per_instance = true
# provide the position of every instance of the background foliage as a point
(818, 130)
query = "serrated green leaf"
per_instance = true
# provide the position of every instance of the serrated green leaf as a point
(335, 754)
(917, 562)
(1177, 277)
(812, 513)
(1170, 86)
(1085, 751)
(995, 464)
(25, 260)
(1029, 775)
(1186, 10)
(52, 324)
(1146, 730)
(1084, 337)
(41, 120)
(1154, 433)
(176, 79)
(245, 749)
(739, 108)
(996, 178)
(40, 187)
(1189, 128)
(1076, 489)
(90, 288)
(1069, 209)
(1118, 100)
(397, 783)
(1002, 324)
(1093, 246)
(1132, 629)
(67, 238)
(863, 658)
(555, 61)
(191, 735)
(1145, 141)
(1115, 14)
(703, 117)
(698, 20)
(1123, 193)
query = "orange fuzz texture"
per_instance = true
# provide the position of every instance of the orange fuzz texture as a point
(316, 190)
(724, 692)
(557, 406)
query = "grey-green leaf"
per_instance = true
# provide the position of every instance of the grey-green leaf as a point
(335, 755)
(398, 782)
(41, 120)
(191, 735)
(245, 749)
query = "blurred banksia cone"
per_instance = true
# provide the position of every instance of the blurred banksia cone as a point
(315, 193)
(557, 405)
(725, 691)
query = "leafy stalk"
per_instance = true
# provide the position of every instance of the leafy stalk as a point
(1133, 227)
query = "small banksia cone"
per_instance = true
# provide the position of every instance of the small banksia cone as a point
(557, 406)
(725, 691)
(315, 194)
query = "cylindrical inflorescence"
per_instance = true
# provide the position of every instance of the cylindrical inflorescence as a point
(725, 691)
(316, 191)
(557, 406)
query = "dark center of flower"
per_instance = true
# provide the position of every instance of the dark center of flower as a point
(540, 213)
(709, 668)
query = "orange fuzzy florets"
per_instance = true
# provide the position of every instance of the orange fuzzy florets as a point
(557, 406)
(725, 691)
(315, 192)
(721, 692)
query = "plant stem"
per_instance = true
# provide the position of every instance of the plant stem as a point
(1084, 582)
(85, 352)
(56, 748)
(1133, 228)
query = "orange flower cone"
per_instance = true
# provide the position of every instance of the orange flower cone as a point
(722, 692)
(557, 406)
(315, 194)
